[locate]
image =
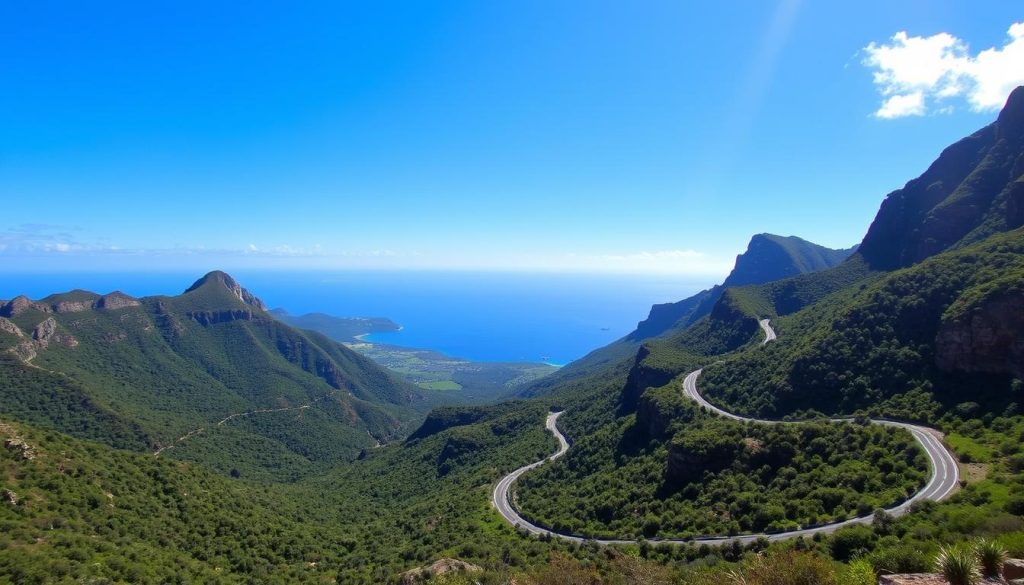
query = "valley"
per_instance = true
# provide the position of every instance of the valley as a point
(785, 413)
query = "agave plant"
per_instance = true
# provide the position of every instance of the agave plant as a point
(959, 565)
(991, 556)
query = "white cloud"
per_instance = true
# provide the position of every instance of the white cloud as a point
(898, 106)
(918, 75)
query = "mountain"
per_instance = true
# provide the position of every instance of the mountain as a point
(208, 375)
(973, 190)
(922, 327)
(926, 307)
(922, 323)
(768, 257)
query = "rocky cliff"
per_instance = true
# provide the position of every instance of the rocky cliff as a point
(974, 189)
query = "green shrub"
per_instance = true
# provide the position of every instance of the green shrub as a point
(786, 568)
(959, 565)
(859, 572)
(991, 556)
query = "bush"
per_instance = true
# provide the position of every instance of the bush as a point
(786, 568)
(1015, 505)
(991, 556)
(959, 565)
(852, 542)
(900, 559)
(858, 573)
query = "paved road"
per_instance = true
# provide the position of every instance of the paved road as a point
(943, 481)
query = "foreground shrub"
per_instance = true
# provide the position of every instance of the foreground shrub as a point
(859, 572)
(991, 556)
(959, 565)
(785, 568)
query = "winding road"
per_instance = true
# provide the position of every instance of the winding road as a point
(224, 420)
(944, 479)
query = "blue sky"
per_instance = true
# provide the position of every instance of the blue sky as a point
(547, 135)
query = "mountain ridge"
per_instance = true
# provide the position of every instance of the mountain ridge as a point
(167, 365)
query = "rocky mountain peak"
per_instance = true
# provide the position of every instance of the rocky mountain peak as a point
(217, 279)
(1011, 120)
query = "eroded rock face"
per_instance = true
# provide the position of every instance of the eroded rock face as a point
(71, 306)
(211, 317)
(18, 305)
(45, 334)
(1013, 569)
(9, 327)
(116, 300)
(440, 567)
(986, 338)
(45, 331)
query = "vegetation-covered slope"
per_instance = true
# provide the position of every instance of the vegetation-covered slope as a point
(913, 343)
(146, 372)
(768, 257)
(939, 341)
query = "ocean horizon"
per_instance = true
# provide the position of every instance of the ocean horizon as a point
(481, 316)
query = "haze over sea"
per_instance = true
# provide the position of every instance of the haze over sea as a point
(482, 316)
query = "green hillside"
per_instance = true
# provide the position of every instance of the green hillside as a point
(937, 342)
(768, 257)
(143, 373)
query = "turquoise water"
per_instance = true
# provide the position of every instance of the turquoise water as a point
(474, 315)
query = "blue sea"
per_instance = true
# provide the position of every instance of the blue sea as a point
(482, 316)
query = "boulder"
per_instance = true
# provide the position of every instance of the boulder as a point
(913, 579)
(1013, 569)
(440, 567)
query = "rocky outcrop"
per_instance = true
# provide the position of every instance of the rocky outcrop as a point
(18, 305)
(913, 579)
(8, 327)
(652, 420)
(44, 331)
(223, 279)
(1013, 569)
(641, 377)
(440, 567)
(985, 337)
(45, 334)
(14, 442)
(967, 194)
(116, 300)
(71, 306)
(225, 316)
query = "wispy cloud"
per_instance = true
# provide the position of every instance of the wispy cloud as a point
(54, 246)
(39, 237)
(661, 261)
(916, 75)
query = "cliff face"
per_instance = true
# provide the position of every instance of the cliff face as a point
(986, 338)
(971, 191)
(73, 302)
(216, 285)
(770, 257)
